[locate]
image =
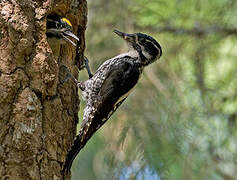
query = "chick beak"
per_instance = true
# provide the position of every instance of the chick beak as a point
(128, 37)
(65, 35)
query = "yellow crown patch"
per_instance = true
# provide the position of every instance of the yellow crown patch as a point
(67, 21)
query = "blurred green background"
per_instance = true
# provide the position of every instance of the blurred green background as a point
(180, 121)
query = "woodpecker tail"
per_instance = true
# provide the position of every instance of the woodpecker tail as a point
(78, 144)
(74, 150)
(80, 140)
(92, 121)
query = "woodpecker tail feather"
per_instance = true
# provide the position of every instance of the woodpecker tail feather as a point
(81, 139)
(92, 121)
(75, 149)
(79, 142)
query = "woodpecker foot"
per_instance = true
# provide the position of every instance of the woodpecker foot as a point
(88, 67)
(69, 75)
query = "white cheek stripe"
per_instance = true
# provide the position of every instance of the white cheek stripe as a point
(146, 54)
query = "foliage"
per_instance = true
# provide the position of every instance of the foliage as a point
(180, 121)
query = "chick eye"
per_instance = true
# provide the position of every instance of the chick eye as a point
(59, 25)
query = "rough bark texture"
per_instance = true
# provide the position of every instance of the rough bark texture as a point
(38, 114)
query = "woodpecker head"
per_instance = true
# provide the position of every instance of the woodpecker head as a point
(60, 28)
(147, 47)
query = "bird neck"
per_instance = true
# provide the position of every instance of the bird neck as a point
(133, 53)
(139, 55)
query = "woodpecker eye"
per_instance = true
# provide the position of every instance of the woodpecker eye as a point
(58, 25)
(142, 41)
(60, 28)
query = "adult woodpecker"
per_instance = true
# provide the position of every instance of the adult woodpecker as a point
(60, 28)
(110, 86)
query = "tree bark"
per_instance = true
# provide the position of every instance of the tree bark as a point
(38, 113)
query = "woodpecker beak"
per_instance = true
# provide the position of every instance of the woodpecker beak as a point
(65, 35)
(128, 37)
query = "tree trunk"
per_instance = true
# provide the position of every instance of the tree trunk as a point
(38, 113)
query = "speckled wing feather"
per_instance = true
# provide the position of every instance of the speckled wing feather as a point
(122, 75)
(108, 88)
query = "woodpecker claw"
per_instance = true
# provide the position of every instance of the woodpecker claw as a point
(88, 67)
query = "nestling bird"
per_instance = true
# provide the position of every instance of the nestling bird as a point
(110, 86)
(60, 28)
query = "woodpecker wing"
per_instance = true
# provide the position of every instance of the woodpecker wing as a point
(121, 76)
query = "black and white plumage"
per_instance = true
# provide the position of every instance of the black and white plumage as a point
(111, 84)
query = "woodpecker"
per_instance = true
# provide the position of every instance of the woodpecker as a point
(60, 28)
(110, 86)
